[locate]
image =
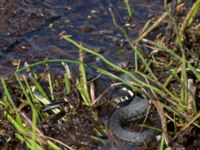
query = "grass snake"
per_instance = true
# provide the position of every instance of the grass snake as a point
(131, 112)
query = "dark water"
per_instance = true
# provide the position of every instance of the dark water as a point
(29, 29)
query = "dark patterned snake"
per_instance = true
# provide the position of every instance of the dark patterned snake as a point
(134, 111)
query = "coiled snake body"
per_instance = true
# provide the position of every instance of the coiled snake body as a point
(134, 111)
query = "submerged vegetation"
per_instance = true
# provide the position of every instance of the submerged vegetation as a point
(41, 106)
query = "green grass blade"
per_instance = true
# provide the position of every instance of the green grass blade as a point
(9, 98)
(50, 85)
(83, 80)
(128, 8)
(46, 61)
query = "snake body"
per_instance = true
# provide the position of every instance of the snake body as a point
(135, 110)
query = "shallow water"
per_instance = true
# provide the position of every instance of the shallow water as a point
(29, 29)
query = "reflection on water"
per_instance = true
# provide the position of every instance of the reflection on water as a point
(29, 29)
